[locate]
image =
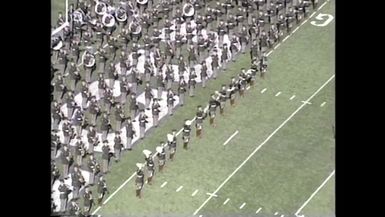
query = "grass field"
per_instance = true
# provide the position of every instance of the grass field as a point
(290, 163)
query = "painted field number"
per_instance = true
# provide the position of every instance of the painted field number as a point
(326, 18)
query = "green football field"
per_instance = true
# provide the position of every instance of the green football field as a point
(283, 150)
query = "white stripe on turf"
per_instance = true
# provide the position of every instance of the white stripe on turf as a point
(164, 183)
(262, 144)
(256, 212)
(243, 204)
(227, 200)
(323, 104)
(180, 188)
(279, 93)
(292, 97)
(263, 90)
(314, 193)
(228, 140)
(194, 193)
(276, 213)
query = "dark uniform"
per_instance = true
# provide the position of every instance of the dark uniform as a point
(222, 99)
(170, 102)
(92, 139)
(172, 145)
(65, 160)
(204, 73)
(139, 182)
(191, 83)
(88, 202)
(102, 190)
(213, 103)
(182, 90)
(200, 115)
(155, 112)
(148, 95)
(186, 135)
(129, 134)
(73, 208)
(105, 157)
(105, 126)
(142, 124)
(117, 146)
(161, 158)
(150, 169)
(64, 191)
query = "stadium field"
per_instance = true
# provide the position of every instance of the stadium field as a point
(265, 157)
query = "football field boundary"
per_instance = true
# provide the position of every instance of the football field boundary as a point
(263, 143)
(128, 179)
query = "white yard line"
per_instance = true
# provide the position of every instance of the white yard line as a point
(323, 104)
(227, 200)
(292, 97)
(164, 184)
(286, 38)
(256, 212)
(323, 5)
(194, 193)
(180, 188)
(228, 140)
(312, 15)
(314, 193)
(263, 90)
(279, 93)
(243, 204)
(296, 29)
(303, 22)
(276, 46)
(263, 143)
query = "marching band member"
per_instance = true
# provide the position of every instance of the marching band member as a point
(213, 103)
(161, 156)
(73, 208)
(149, 165)
(155, 112)
(105, 156)
(186, 133)
(139, 181)
(171, 138)
(204, 73)
(102, 189)
(192, 82)
(117, 145)
(88, 201)
(170, 101)
(119, 116)
(130, 132)
(142, 123)
(148, 95)
(64, 191)
(181, 90)
(222, 99)
(105, 125)
(200, 115)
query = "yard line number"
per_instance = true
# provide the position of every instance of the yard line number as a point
(326, 18)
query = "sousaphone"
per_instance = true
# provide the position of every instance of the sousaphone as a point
(78, 16)
(135, 28)
(121, 14)
(142, 2)
(89, 59)
(100, 8)
(188, 10)
(108, 20)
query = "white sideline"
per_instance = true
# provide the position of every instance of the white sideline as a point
(314, 193)
(263, 143)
